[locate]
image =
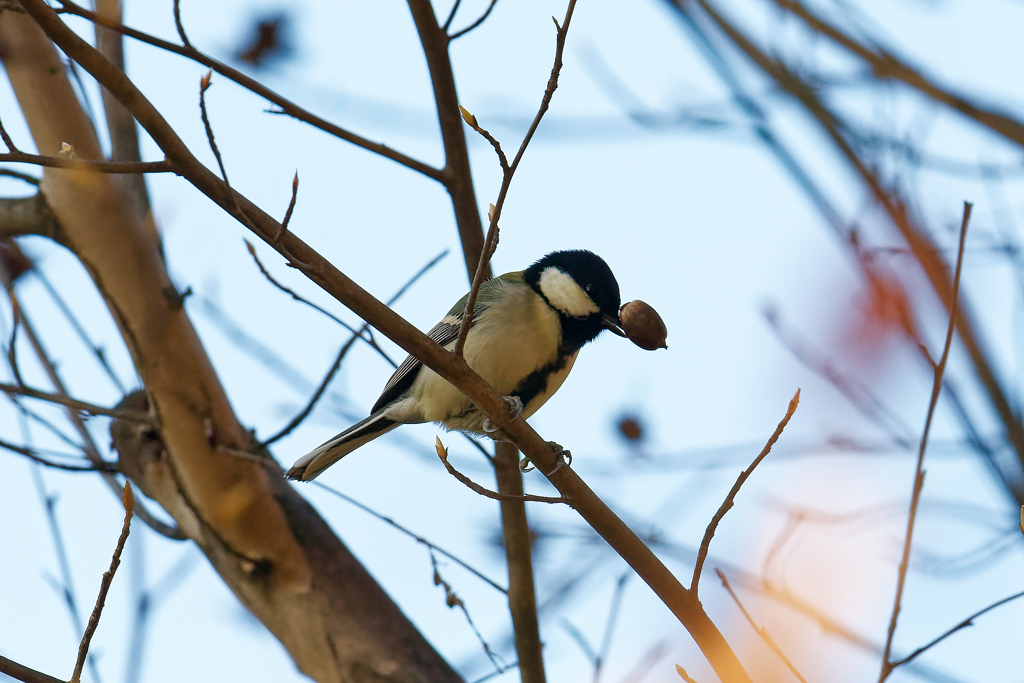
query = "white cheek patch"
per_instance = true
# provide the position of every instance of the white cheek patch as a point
(565, 295)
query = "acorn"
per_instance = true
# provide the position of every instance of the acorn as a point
(643, 326)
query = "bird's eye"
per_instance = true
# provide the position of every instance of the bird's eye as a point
(590, 288)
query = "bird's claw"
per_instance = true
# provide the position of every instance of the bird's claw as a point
(515, 406)
(564, 459)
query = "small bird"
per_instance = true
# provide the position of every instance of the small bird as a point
(528, 326)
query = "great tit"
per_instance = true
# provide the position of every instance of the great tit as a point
(528, 327)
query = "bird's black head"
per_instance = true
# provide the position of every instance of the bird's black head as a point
(580, 286)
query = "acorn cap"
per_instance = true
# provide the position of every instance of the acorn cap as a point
(643, 326)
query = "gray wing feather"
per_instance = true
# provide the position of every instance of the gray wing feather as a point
(443, 333)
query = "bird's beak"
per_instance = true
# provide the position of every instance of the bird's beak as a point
(612, 323)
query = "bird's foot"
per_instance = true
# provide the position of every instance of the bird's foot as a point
(564, 459)
(515, 406)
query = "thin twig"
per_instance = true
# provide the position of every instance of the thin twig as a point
(30, 179)
(454, 600)
(315, 398)
(451, 15)
(472, 122)
(74, 404)
(761, 631)
(204, 85)
(8, 140)
(300, 299)
(859, 395)
(475, 24)
(72, 319)
(291, 206)
(178, 25)
(491, 243)
(23, 673)
(915, 498)
(108, 576)
(727, 504)
(412, 535)
(356, 334)
(67, 588)
(609, 629)
(442, 453)
(969, 621)
(83, 165)
(33, 455)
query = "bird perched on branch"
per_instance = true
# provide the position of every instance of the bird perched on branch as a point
(527, 328)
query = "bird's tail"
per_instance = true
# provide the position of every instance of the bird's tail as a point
(309, 466)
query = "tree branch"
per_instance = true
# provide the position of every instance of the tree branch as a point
(25, 674)
(915, 498)
(727, 504)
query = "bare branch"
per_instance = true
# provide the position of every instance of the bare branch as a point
(491, 242)
(108, 577)
(969, 621)
(33, 455)
(23, 673)
(761, 631)
(79, 164)
(5, 136)
(124, 135)
(90, 448)
(451, 15)
(356, 334)
(522, 599)
(291, 204)
(886, 66)
(10, 173)
(727, 504)
(475, 24)
(28, 216)
(915, 498)
(442, 453)
(74, 404)
(414, 536)
(178, 25)
(456, 176)
(454, 600)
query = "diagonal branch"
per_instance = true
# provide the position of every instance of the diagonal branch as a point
(886, 66)
(727, 504)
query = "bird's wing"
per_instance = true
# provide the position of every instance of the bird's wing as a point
(444, 333)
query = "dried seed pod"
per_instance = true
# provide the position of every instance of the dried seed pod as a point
(643, 326)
